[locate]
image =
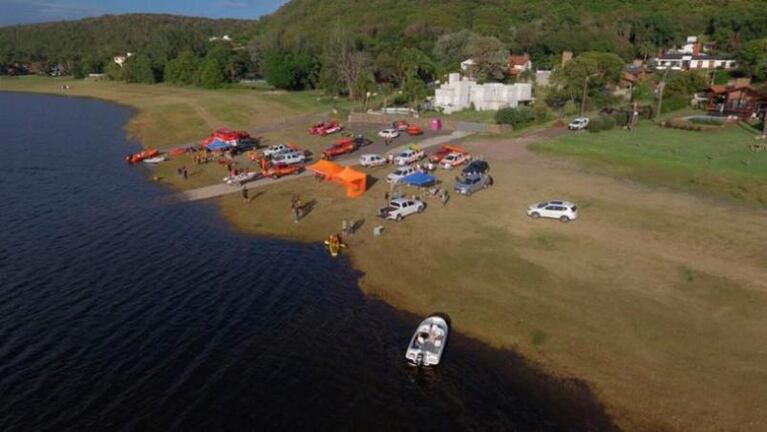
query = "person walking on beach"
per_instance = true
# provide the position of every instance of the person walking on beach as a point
(185, 173)
(296, 207)
(245, 196)
(345, 226)
(444, 197)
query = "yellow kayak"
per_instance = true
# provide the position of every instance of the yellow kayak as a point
(334, 248)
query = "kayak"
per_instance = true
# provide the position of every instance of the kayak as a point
(334, 249)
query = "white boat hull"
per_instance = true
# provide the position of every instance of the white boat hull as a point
(428, 342)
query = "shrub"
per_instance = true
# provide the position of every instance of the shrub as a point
(599, 124)
(706, 121)
(516, 117)
(674, 103)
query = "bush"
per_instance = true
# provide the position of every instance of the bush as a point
(674, 103)
(706, 121)
(599, 124)
(516, 117)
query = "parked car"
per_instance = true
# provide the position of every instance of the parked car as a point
(389, 133)
(400, 125)
(325, 128)
(289, 158)
(408, 156)
(361, 141)
(276, 148)
(371, 160)
(400, 208)
(399, 173)
(580, 123)
(440, 154)
(476, 167)
(414, 130)
(565, 211)
(340, 148)
(454, 159)
(469, 184)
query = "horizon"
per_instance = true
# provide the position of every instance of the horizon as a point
(20, 12)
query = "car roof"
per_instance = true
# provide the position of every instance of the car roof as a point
(400, 200)
(558, 202)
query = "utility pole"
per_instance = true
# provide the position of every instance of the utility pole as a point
(583, 98)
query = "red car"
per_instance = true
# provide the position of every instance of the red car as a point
(414, 130)
(342, 147)
(437, 156)
(400, 125)
(325, 128)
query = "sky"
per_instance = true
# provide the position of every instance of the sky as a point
(32, 11)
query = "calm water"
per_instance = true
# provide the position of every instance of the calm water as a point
(121, 310)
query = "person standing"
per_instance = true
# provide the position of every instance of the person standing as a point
(185, 173)
(345, 226)
(445, 197)
(245, 196)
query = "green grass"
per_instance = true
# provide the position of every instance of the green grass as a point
(719, 162)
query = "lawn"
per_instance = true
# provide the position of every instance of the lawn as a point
(716, 162)
(169, 115)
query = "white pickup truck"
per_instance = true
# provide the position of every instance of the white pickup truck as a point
(400, 208)
(406, 157)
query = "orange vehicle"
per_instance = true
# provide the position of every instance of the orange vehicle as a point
(414, 130)
(443, 151)
(341, 147)
(138, 157)
(400, 125)
(276, 171)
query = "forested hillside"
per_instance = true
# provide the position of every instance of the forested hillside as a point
(539, 27)
(160, 36)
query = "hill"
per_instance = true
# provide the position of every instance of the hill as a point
(541, 27)
(164, 36)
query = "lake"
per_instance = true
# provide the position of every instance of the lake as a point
(121, 309)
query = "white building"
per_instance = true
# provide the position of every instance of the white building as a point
(222, 38)
(684, 62)
(120, 60)
(459, 94)
(466, 65)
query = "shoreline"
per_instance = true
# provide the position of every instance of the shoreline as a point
(530, 315)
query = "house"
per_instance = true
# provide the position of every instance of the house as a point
(543, 78)
(686, 62)
(466, 65)
(224, 38)
(120, 59)
(692, 56)
(633, 75)
(462, 93)
(518, 64)
(57, 70)
(740, 99)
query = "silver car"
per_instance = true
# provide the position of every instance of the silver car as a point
(467, 185)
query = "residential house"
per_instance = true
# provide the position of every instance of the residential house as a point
(692, 56)
(740, 99)
(633, 75)
(463, 93)
(466, 65)
(519, 64)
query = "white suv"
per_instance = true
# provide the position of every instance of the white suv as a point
(274, 149)
(400, 208)
(565, 211)
(399, 174)
(288, 158)
(580, 123)
(370, 160)
(389, 133)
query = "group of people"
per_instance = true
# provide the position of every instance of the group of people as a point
(183, 172)
(201, 157)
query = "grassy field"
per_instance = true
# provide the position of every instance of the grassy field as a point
(717, 162)
(168, 115)
(656, 297)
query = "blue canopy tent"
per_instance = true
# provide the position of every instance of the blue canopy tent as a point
(217, 144)
(419, 179)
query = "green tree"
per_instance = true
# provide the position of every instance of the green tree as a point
(752, 59)
(138, 69)
(114, 71)
(212, 74)
(414, 90)
(451, 49)
(490, 59)
(183, 69)
(591, 71)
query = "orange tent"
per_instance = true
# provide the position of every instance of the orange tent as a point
(355, 181)
(325, 168)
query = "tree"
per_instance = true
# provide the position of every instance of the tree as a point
(183, 69)
(451, 49)
(414, 90)
(588, 73)
(138, 69)
(114, 71)
(347, 62)
(290, 72)
(490, 58)
(752, 59)
(212, 74)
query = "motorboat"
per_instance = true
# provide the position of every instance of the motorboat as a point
(428, 342)
(240, 179)
(156, 159)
